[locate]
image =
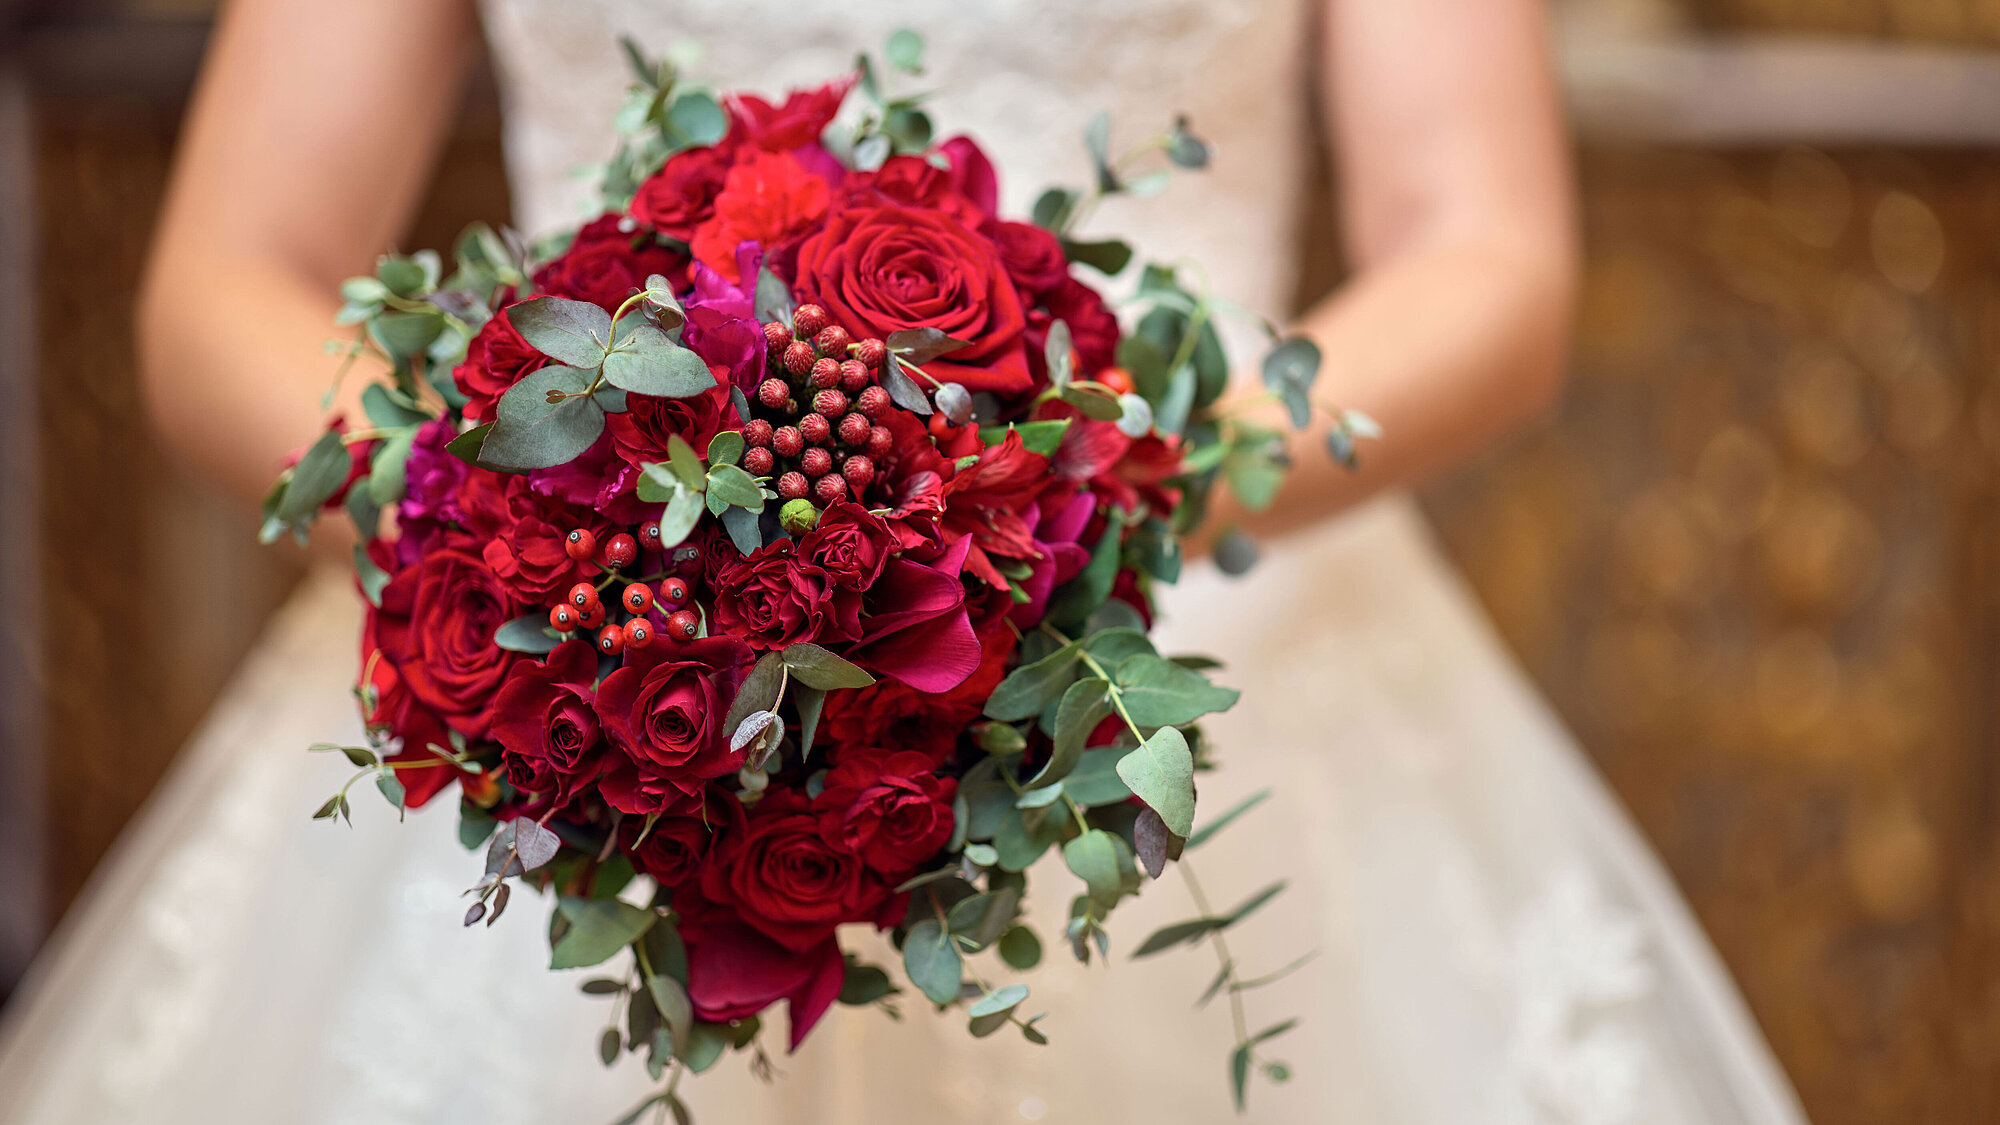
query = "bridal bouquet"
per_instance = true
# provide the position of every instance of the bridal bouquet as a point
(775, 554)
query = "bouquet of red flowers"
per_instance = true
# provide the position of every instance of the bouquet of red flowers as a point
(776, 552)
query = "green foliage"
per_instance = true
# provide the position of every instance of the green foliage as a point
(529, 633)
(593, 930)
(1158, 692)
(932, 961)
(1161, 773)
(531, 432)
(645, 361)
(816, 667)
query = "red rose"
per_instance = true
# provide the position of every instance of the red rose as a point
(604, 265)
(880, 269)
(675, 846)
(768, 198)
(772, 598)
(436, 626)
(850, 544)
(1033, 257)
(546, 726)
(681, 195)
(663, 711)
(804, 115)
(891, 713)
(388, 705)
(783, 878)
(529, 551)
(915, 182)
(888, 807)
(734, 972)
(496, 359)
(1093, 328)
(640, 433)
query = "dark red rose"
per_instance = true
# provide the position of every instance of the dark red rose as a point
(915, 182)
(888, 807)
(436, 625)
(604, 265)
(1033, 257)
(640, 433)
(663, 712)
(783, 878)
(1093, 330)
(918, 629)
(546, 725)
(773, 598)
(496, 359)
(734, 972)
(891, 713)
(850, 544)
(972, 173)
(675, 846)
(387, 704)
(681, 195)
(985, 502)
(529, 551)
(883, 268)
(804, 115)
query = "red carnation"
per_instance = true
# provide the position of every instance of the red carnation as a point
(546, 725)
(888, 807)
(529, 550)
(681, 195)
(663, 712)
(604, 265)
(767, 198)
(436, 626)
(773, 598)
(783, 878)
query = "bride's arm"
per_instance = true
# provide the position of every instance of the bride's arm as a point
(308, 142)
(1456, 210)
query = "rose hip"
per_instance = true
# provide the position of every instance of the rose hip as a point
(673, 592)
(809, 321)
(580, 544)
(830, 403)
(787, 441)
(757, 433)
(872, 352)
(815, 428)
(638, 597)
(611, 640)
(758, 462)
(798, 357)
(619, 551)
(592, 617)
(564, 617)
(649, 534)
(833, 341)
(683, 625)
(854, 429)
(830, 489)
(793, 486)
(774, 393)
(583, 595)
(638, 633)
(816, 462)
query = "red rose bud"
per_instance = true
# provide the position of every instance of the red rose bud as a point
(872, 352)
(815, 428)
(798, 357)
(580, 544)
(793, 486)
(830, 403)
(592, 617)
(854, 376)
(673, 592)
(583, 595)
(854, 429)
(777, 336)
(809, 321)
(873, 401)
(619, 551)
(758, 462)
(830, 489)
(816, 462)
(787, 441)
(638, 633)
(564, 618)
(859, 471)
(833, 341)
(649, 534)
(683, 625)
(880, 441)
(757, 433)
(825, 373)
(611, 640)
(774, 393)
(638, 597)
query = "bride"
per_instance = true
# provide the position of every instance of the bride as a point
(1494, 942)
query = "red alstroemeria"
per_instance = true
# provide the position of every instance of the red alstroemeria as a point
(984, 502)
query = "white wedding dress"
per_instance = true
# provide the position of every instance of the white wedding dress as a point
(1495, 942)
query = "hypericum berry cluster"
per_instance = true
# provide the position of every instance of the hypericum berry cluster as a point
(816, 428)
(583, 608)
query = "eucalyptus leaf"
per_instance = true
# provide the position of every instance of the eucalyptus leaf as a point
(816, 667)
(528, 633)
(932, 961)
(735, 487)
(1093, 857)
(686, 463)
(574, 333)
(372, 578)
(903, 390)
(743, 528)
(1161, 774)
(647, 362)
(774, 298)
(1289, 371)
(999, 1001)
(905, 51)
(1031, 687)
(531, 433)
(695, 120)
(389, 475)
(1058, 351)
(598, 930)
(809, 701)
(759, 691)
(678, 521)
(1158, 693)
(1020, 948)
(465, 446)
(725, 448)
(1094, 402)
(319, 474)
(1036, 437)
(1083, 705)
(1108, 257)
(921, 345)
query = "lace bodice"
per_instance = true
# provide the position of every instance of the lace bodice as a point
(1022, 76)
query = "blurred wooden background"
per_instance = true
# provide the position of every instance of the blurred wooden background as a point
(1751, 561)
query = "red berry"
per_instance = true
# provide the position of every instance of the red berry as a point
(786, 441)
(854, 429)
(858, 470)
(830, 489)
(873, 401)
(611, 639)
(683, 624)
(564, 617)
(798, 357)
(854, 376)
(793, 486)
(673, 592)
(758, 462)
(816, 462)
(649, 535)
(830, 403)
(776, 336)
(808, 321)
(774, 393)
(815, 428)
(638, 597)
(619, 551)
(757, 433)
(583, 595)
(880, 441)
(941, 427)
(872, 352)
(638, 633)
(825, 373)
(833, 341)
(580, 544)
(592, 617)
